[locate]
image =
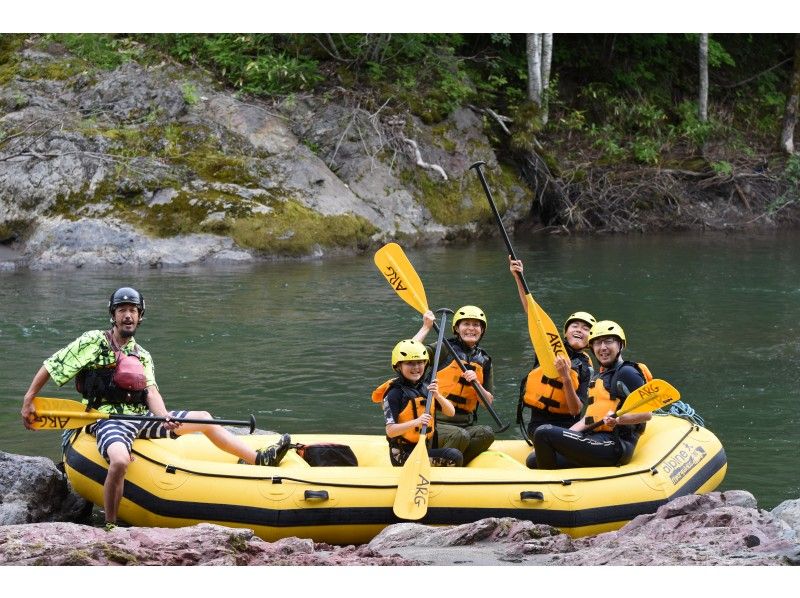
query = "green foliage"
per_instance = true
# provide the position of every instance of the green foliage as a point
(723, 168)
(717, 55)
(9, 46)
(646, 150)
(791, 174)
(689, 125)
(254, 63)
(190, 95)
(528, 120)
(104, 51)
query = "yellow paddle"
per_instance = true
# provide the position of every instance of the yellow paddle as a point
(392, 262)
(545, 337)
(63, 414)
(413, 487)
(654, 395)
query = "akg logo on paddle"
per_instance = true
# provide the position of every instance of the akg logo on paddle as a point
(649, 390)
(555, 344)
(421, 494)
(682, 462)
(394, 279)
(52, 422)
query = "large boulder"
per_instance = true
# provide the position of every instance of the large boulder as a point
(32, 489)
(721, 528)
(789, 512)
(94, 242)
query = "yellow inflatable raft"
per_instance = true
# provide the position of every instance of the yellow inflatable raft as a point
(174, 483)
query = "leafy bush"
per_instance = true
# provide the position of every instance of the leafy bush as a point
(105, 51)
(253, 63)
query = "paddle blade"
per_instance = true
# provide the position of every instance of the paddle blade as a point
(62, 414)
(413, 487)
(401, 276)
(545, 337)
(654, 395)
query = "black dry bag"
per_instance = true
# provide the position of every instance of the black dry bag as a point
(327, 454)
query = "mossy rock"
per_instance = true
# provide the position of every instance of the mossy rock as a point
(294, 229)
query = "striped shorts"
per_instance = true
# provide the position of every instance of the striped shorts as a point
(109, 431)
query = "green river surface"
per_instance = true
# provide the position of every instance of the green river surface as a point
(301, 344)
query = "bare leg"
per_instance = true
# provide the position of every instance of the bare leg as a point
(219, 436)
(119, 459)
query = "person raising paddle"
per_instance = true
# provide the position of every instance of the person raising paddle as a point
(116, 375)
(556, 401)
(613, 441)
(404, 400)
(462, 430)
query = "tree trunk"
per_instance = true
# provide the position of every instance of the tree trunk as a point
(534, 52)
(703, 62)
(547, 58)
(790, 114)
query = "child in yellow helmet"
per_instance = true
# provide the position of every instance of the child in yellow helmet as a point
(462, 430)
(556, 401)
(404, 401)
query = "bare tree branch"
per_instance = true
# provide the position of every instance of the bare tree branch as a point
(420, 162)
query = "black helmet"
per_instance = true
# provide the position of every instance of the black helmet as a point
(126, 295)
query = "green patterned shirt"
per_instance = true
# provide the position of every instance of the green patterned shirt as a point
(92, 350)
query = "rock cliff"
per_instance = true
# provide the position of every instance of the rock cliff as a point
(156, 165)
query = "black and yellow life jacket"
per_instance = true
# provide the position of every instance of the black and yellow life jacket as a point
(602, 399)
(414, 407)
(451, 379)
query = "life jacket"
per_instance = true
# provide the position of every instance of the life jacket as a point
(451, 379)
(123, 382)
(602, 400)
(414, 407)
(547, 395)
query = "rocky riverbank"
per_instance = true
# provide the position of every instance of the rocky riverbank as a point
(720, 528)
(157, 165)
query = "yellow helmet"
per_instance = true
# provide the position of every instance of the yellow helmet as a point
(409, 350)
(469, 312)
(582, 316)
(607, 328)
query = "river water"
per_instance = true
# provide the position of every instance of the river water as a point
(302, 344)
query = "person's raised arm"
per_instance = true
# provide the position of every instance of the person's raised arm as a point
(428, 318)
(515, 266)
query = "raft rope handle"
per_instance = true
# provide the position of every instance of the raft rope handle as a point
(684, 411)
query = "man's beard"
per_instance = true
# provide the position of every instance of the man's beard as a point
(127, 333)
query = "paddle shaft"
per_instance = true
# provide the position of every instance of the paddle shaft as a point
(484, 184)
(60, 417)
(543, 332)
(436, 355)
(476, 386)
